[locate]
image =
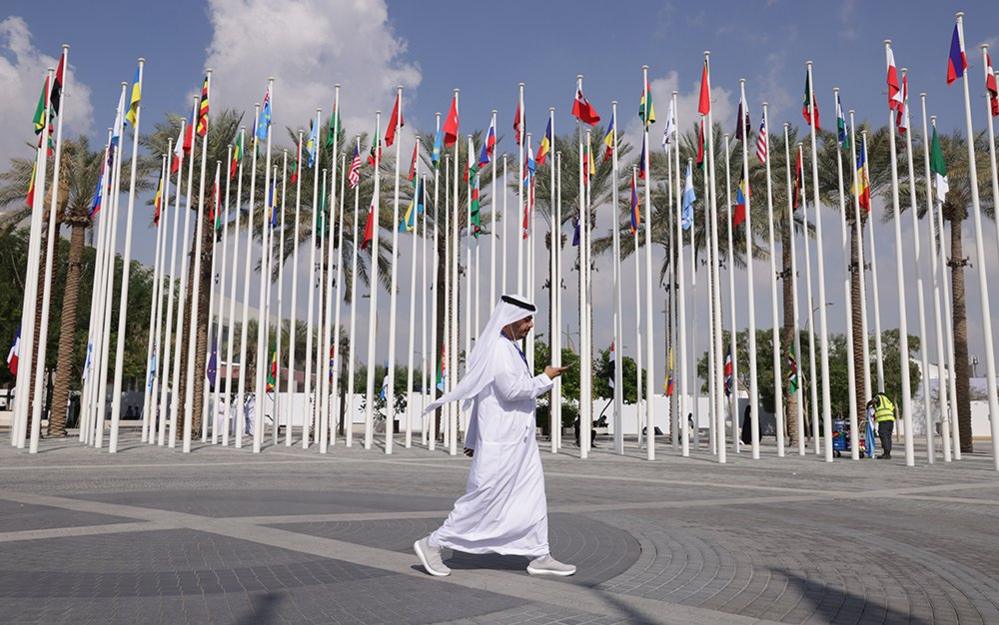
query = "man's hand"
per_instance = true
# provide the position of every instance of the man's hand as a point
(554, 372)
(469, 452)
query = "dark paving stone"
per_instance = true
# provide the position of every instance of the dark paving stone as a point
(242, 502)
(599, 551)
(16, 517)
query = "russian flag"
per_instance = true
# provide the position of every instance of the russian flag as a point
(957, 61)
(486, 155)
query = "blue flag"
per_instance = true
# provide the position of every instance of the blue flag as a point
(265, 117)
(435, 155)
(687, 217)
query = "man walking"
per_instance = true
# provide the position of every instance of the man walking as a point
(504, 509)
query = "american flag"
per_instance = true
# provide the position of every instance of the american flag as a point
(761, 142)
(354, 173)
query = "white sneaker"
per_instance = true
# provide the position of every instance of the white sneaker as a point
(430, 558)
(547, 565)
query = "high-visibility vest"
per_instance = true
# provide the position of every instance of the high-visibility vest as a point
(885, 409)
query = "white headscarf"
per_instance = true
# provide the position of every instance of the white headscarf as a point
(482, 363)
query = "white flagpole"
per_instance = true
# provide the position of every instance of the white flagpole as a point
(717, 400)
(492, 227)
(330, 341)
(556, 401)
(878, 350)
(903, 325)
(156, 311)
(28, 329)
(369, 397)
(618, 304)
(280, 308)
(810, 305)
(262, 364)
(920, 301)
(455, 241)
(650, 384)
(426, 368)
(309, 354)
(412, 301)
(292, 321)
(520, 187)
(212, 332)
(229, 400)
(796, 335)
(469, 277)
(334, 374)
(448, 287)
(166, 386)
(942, 396)
(431, 349)
(317, 362)
(823, 318)
(860, 268)
(949, 330)
(349, 395)
(992, 139)
(774, 311)
(267, 286)
(217, 341)
(503, 245)
(990, 360)
(847, 308)
(754, 386)
(733, 400)
(240, 398)
(638, 325)
(584, 403)
(393, 286)
(50, 240)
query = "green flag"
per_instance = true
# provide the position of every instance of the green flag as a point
(939, 168)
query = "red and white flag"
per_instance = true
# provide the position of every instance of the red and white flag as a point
(354, 173)
(991, 86)
(583, 110)
(895, 101)
(12, 355)
(902, 112)
(761, 142)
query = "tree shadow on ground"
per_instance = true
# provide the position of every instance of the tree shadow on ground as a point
(263, 609)
(833, 604)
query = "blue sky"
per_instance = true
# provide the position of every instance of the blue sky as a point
(485, 49)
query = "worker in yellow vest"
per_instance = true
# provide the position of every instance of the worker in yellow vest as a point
(884, 417)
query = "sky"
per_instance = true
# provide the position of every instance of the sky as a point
(484, 50)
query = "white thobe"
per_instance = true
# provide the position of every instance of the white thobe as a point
(504, 508)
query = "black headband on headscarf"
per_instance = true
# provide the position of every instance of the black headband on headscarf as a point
(509, 299)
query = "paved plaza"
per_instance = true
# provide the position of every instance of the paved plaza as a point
(291, 536)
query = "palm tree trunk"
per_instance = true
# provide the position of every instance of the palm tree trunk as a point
(201, 321)
(67, 331)
(439, 294)
(956, 263)
(857, 321)
(790, 400)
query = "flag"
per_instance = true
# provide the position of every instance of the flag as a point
(272, 372)
(687, 216)
(609, 141)
(412, 163)
(641, 162)
(546, 144)
(332, 361)
(265, 117)
(237, 156)
(188, 135)
(475, 223)
(375, 151)
(295, 166)
(333, 127)
(55, 96)
(210, 369)
(957, 61)
(894, 89)
(486, 155)
(152, 370)
(31, 185)
(798, 179)
(939, 168)
(87, 361)
(354, 173)
(408, 223)
(808, 104)
(863, 190)
(158, 203)
(95, 206)
(583, 110)
(613, 360)
(383, 393)
(273, 205)
(727, 371)
(841, 134)
(435, 154)
(669, 373)
(700, 144)
(321, 226)
(369, 228)
(741, 193)
(203, 109)
(636, 216)
(902, 113)
(669, 131)
(216, 212)
(12, 355)
(742, 122)
(646, 108)
(704, 102)
(451, 124)
(518, 119)
(312, 143)
(762, 141)
(575, 232)
(178, 152)
(133, 103)
(39, 117)
(792, 374)
(395, 121)
(530, 165)
(991, 85)
(442, 369)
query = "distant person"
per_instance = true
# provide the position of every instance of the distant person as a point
(747, 426)
(504, 509)
(884, 417)
(869, 432)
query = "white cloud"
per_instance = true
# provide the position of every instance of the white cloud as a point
(307, 47)
(22, 72)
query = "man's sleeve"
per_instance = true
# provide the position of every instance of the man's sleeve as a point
(518, 386)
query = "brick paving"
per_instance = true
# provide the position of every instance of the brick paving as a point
(291, 536)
